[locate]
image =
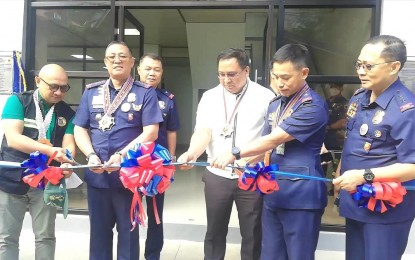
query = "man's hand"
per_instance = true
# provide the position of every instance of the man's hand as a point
(60, 154)
(349, 180)
(185, 158)
(113, 164)
(223, 160)
(66, 173)
(94, 160)
(241, 163)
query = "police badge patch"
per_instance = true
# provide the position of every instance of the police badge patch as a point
(61, 121)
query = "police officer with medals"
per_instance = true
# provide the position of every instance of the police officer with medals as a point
(33, 121)
(112, 117)
(150, 71)
(297, 119)
(378, 147)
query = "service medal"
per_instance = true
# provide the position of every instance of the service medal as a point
(131, 98)
(125, 107)
(130, 116)
(137, 107)
(162, 104)
(367, 146)
(363, 129)
(377, 119)
(106, 123)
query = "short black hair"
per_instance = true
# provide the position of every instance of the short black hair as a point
(395, 49)
(240, 55)
(120, 43)
(294, 53)
(150, 55)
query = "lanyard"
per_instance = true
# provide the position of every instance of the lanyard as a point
(42, 124)
(281, 115)
(235, 108)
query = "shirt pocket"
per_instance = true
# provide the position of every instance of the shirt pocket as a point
(350, 124)
(378, 136)
(94, 116)
(293, 169)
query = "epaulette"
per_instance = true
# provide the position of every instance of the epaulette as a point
(168, 94)
(404, 102)
(306, 97)
(275, 98)
(360, 90)
(95, 84)
(141, 84)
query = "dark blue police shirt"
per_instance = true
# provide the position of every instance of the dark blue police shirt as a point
(144, 110)
(307, 125)
(168, 108)
(388, 140)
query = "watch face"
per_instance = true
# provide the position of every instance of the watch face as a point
(236, 152)
(368, 176)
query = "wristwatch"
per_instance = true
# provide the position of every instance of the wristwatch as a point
(368, 176)
(236, 152)
(89, 155)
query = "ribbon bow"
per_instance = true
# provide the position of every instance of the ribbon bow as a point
(143, 171)
(38, 172)
(379, 196)
(259, 178)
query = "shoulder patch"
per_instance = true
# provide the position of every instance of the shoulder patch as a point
(167, 93)
(275, 98)
(141, 84)
(404, 101)
(95, 84)
(306, 97)
(360, 90)
(407, 106)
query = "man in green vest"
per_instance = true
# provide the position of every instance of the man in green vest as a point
(33, 121)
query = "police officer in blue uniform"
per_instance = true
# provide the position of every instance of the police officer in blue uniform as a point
(291, 217)
(150, 71)
(118, 112)
(378, 146)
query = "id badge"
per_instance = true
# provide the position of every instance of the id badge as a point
(280, 150)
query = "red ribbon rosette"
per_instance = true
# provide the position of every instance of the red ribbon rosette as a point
(259, 178)
(38, 172)
(379, 196)
(143, 172)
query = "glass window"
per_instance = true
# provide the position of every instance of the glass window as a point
(334, 36)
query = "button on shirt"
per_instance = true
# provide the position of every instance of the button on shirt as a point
(388, 139)
(251, 115)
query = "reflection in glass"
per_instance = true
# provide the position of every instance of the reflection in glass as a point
(334, 36)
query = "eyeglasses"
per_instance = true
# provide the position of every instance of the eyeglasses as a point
(121, 57)
(55, 87)
(230, 75)
(367, 66)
